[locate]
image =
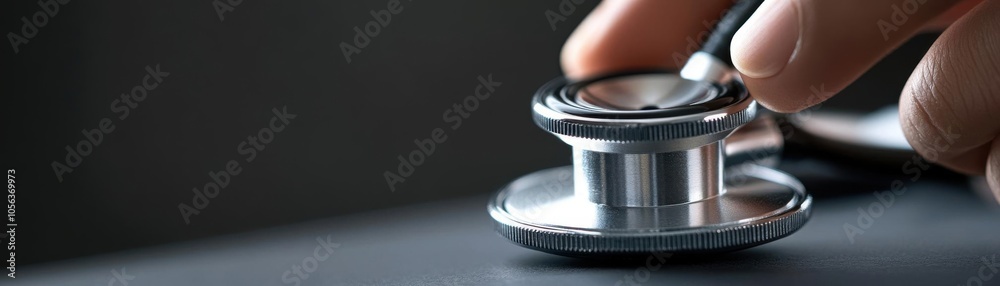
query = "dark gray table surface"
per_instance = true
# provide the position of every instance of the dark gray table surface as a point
(936, 233)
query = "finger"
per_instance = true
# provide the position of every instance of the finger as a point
(636, 34)
(993, 169)
(945, 19)
(950, 108)
(797, 53)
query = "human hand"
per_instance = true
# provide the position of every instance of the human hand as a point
(949, 108)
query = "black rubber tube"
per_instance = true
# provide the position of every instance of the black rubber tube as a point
(718, 42)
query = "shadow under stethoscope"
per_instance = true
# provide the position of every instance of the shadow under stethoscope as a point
(748, 260)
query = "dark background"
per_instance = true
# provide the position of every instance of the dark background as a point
(353, 120)
(226, 76)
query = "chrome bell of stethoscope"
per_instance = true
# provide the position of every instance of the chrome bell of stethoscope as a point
(662, 162)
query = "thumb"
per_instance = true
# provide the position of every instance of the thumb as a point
(949, 105)
(790, 48)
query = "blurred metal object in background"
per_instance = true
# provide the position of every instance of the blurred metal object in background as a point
(875, 136)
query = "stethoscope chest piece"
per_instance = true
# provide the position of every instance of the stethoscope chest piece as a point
(649, 172)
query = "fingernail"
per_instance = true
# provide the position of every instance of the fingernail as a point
(767, 41)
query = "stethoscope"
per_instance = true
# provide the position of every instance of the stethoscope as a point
(663, 161)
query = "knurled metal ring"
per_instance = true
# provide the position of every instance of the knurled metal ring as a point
(555, 110)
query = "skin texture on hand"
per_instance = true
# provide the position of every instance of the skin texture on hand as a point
(950, 107)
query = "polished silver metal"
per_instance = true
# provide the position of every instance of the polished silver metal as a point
(540, 211)
(650, 170)
(875, 136)
(649, 174)
(759, 142)
(644, 135)
(645, 92)
(648, 180)
(704, 67)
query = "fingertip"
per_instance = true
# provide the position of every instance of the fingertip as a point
(790, 63)
(993, 169)
(766, 42)
(778, 105)
(780, 96)
(638, 34)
